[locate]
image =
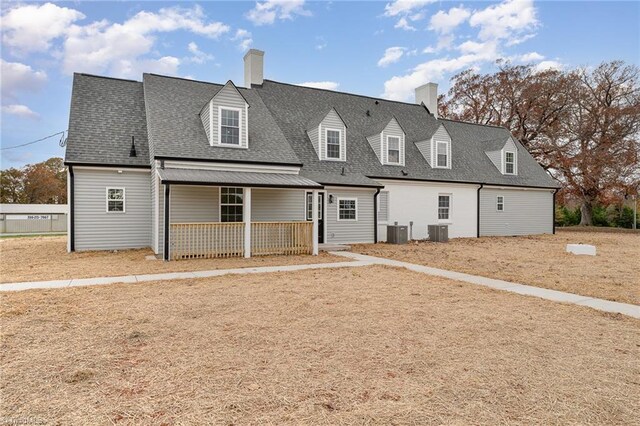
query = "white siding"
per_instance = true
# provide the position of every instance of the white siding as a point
(95, 229)
(425, 149)
(526, 212)
(383, 207)
(348, 232)
(511, 147)
(418, 202)
(229, 97)
(376, 144)
(206, 120)
(392, 129)
(495, 157)
(313, 136)
(269, 205)
(333, 121)
(191, 204)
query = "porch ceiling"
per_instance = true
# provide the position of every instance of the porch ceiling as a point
(230, 178)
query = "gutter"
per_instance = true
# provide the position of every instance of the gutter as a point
(554, 210)
(478, 207)
(462, 182)
(106, 165)
(375, 216)
(72, 232)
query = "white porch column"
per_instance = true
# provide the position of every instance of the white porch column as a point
(314, 217)
(246, 218)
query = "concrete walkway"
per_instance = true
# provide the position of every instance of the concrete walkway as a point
(356, 260)
(132, 279)
(527, 290)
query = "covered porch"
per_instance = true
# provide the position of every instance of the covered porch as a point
(212, 213)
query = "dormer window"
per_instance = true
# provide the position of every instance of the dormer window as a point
(442, 154)
(393, 149)
(509, 163)
(333, 138)
(229, 126)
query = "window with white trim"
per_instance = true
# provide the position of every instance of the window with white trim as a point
(229, 126)
(333, 143)
(444, 207)
(393, 149)
(348, 209)
(442, 154)
(509, 163)
(115, 200)
(500, 203)
(231, 208)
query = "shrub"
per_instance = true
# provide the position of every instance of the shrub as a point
(624, 217)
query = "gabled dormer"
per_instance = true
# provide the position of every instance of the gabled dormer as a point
(437, 149)
(328, 134)
(505, 158)
(389, 144)
(225, 118)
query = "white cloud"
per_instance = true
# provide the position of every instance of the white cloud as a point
(20, 111)
(548, 65)
(403, 24)
(197, 55)
(507, 23)
(121, 49)
(17, 77)
(243, 37)
(505, 20)
(444, 22)
(267, 12)
(403, 7)
(391, 55)
(30, 28)
(328, 85)
(530, 57)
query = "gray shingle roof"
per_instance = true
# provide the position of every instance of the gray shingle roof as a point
(271, 180)
(293, 107)
(175, 128)
(105, 113)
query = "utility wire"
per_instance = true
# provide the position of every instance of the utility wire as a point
(32, 142)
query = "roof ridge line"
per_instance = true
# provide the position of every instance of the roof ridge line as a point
(190, 79)
(472, 123)
(344, 93)
(106, 77)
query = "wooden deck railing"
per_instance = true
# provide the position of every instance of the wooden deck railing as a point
(281, 238)
(226, 239)
(206, 240)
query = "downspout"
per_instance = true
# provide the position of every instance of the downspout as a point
(554, 210)
(478, 207)
(167, 190)
(375, 216)
(72, 231)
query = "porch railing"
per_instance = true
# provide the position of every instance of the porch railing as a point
(206, 240)
(281, 238)
(226, 239)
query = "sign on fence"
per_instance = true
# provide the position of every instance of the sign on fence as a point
(28, 217)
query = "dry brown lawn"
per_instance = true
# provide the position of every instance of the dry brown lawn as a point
(541, 260)
(368, 345)
(46, 258)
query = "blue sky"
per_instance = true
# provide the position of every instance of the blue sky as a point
(377, 48)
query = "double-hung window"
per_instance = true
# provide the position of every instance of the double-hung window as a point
(333, 144)
(231, 205)
(229, 126)
(444, 207)
(347, 209)
(393, 149)
(115, 200)
(500, 203)
(509, 163)
(442, 154)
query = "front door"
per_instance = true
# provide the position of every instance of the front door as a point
(320, 217)
(320, 213)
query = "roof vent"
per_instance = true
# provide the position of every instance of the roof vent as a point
(427, 94)
(343, 173)
(368, 113)
(133, 153)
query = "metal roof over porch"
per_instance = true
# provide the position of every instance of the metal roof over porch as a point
(233, 178)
